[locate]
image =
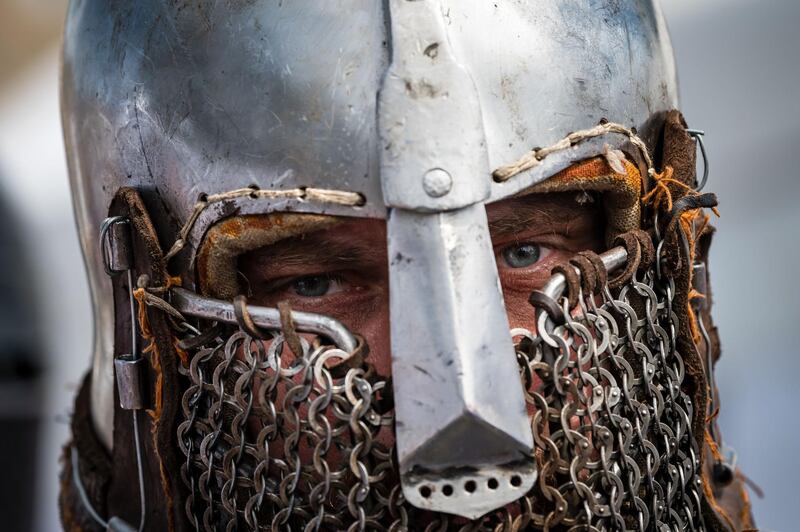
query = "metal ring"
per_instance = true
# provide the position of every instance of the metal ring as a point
(542, 301)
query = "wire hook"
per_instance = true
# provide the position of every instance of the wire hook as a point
(698, 136)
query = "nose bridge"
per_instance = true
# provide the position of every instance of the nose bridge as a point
(463, 436)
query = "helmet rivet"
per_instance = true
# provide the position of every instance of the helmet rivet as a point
(437, 182)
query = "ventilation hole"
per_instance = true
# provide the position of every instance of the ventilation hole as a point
(362, 200)
(447, 490)
(255, 188)
(470, 486)
(202, 198)
(425, 491)
(492, 484)
(432, 50)
(516, 481)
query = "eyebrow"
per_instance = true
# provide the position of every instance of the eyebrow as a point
(549, 213)
(314, 248)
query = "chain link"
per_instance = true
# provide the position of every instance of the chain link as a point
(275, 441)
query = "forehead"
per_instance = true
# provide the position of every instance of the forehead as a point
(521, 213)
(554, 206)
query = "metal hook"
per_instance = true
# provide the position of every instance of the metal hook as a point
(698, 136)
(116, 248)
(245, 321)
(115, 252)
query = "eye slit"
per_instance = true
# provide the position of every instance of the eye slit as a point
(522, 255)
(312, 285)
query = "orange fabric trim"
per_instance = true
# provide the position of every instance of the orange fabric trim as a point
(692, 229)
(182, 354)
(158, 399)
(621, 191)
(228, 238)
(174, 280)
(713, 447)
(586, 169)
(147, 335)
(589, 171)
(693, 327)
(746, 513)
(661, 193)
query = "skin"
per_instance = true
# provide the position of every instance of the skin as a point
(343, 271)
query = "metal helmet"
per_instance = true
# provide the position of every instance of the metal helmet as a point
(180, 117)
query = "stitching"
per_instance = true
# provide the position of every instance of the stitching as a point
(320, 195)
(661, 194)
(535, 157)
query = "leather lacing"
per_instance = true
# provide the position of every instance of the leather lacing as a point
(585, 273)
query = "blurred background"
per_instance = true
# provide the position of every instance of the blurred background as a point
(739, 72)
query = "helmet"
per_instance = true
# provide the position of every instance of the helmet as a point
(197, 132)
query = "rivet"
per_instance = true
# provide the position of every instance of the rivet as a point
(437, 182)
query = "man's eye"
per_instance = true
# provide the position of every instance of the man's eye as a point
(316, 285)
(521, 255)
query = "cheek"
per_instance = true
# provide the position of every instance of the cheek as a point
(377, 335)
(372, 322)
(519, 310)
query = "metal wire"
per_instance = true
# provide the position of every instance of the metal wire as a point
(138, 446)
(104, 246)
(76, 479)
(274, 441)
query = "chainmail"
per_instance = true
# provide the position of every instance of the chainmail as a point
(276, 441)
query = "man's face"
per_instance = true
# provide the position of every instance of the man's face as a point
(343, 271)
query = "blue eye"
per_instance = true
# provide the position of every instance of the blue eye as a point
(312, 286)
(521, 255)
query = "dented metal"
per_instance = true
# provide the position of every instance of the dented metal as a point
(459, 402)
(412, 105)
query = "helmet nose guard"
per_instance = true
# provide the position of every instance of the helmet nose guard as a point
(464, 441)
(463, 437)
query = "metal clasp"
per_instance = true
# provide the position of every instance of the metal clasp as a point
(116, 245)
(130, 381)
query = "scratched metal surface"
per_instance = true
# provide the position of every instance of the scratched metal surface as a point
(178, 99)
(732, 54)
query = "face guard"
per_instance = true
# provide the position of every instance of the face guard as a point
(588, 420)
(612, 425)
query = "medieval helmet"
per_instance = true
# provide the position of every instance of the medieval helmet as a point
(197, 131)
